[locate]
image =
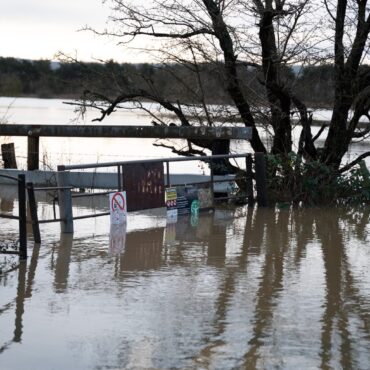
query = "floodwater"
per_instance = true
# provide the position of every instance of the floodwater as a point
(66, 151)
(56, 151)
(239, 288)
(235, 289)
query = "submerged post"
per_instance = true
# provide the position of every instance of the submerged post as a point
(261, 178)
(65, 201)
(8, 153)
(22, 217)
(249, 180)
(33, 211)
(33, 149)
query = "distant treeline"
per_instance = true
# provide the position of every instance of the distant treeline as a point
(45, 79)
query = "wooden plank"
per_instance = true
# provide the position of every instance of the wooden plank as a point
(171, 132)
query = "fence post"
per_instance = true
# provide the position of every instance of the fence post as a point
(260, 168)
(22, 217)
(249, 179)
(65, 201)
(33, 211)
(8, 153)
(33, 152)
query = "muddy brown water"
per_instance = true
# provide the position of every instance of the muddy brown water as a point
(236, 289)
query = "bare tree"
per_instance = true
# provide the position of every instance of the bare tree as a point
(351, 23)
(266, 36)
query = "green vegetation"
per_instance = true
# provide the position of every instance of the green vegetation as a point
(314, 183)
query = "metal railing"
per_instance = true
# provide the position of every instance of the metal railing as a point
(65, 196)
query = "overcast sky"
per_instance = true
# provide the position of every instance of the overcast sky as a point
(36, 29)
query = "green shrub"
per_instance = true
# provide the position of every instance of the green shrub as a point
(290, 179)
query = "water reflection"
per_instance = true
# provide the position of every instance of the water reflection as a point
(241, 288)
(25, 277)
(117, 238)
(276, 243)
(61, 268)
(144, 251)
(343, 302)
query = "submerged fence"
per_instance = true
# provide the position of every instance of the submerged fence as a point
(25, 191)
(145, 181)
(22, 216)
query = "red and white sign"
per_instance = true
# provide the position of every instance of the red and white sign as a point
(118, 207)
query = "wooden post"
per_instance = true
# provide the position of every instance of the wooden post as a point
(33, 153)
(33, 211)
(65, 201)
(249, 180)
(8, 154)
(22, 217)
(261, 185)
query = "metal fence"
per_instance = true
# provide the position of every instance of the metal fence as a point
(123, 168)
(22, 217)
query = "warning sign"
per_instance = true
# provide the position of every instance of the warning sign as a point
(184, 200)
(171, 204)
(171, 198)
(118, 207)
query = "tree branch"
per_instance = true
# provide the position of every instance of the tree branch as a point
(353, 163)
(322, 128)
(186, 35)
(191, 152)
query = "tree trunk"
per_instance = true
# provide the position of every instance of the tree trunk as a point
(278, 99)
(221, 166)
(232, 80)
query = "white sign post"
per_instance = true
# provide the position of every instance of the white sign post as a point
(118, 208)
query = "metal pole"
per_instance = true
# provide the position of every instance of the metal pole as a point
(22, 217)
(33, 211)
(168, 173)
(122, 179)
(65, 201)
(119, 178)
(249, 179)
(212, 182)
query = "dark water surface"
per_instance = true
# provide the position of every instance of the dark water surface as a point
(237, 289)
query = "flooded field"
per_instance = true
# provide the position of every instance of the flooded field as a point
(235, 289)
